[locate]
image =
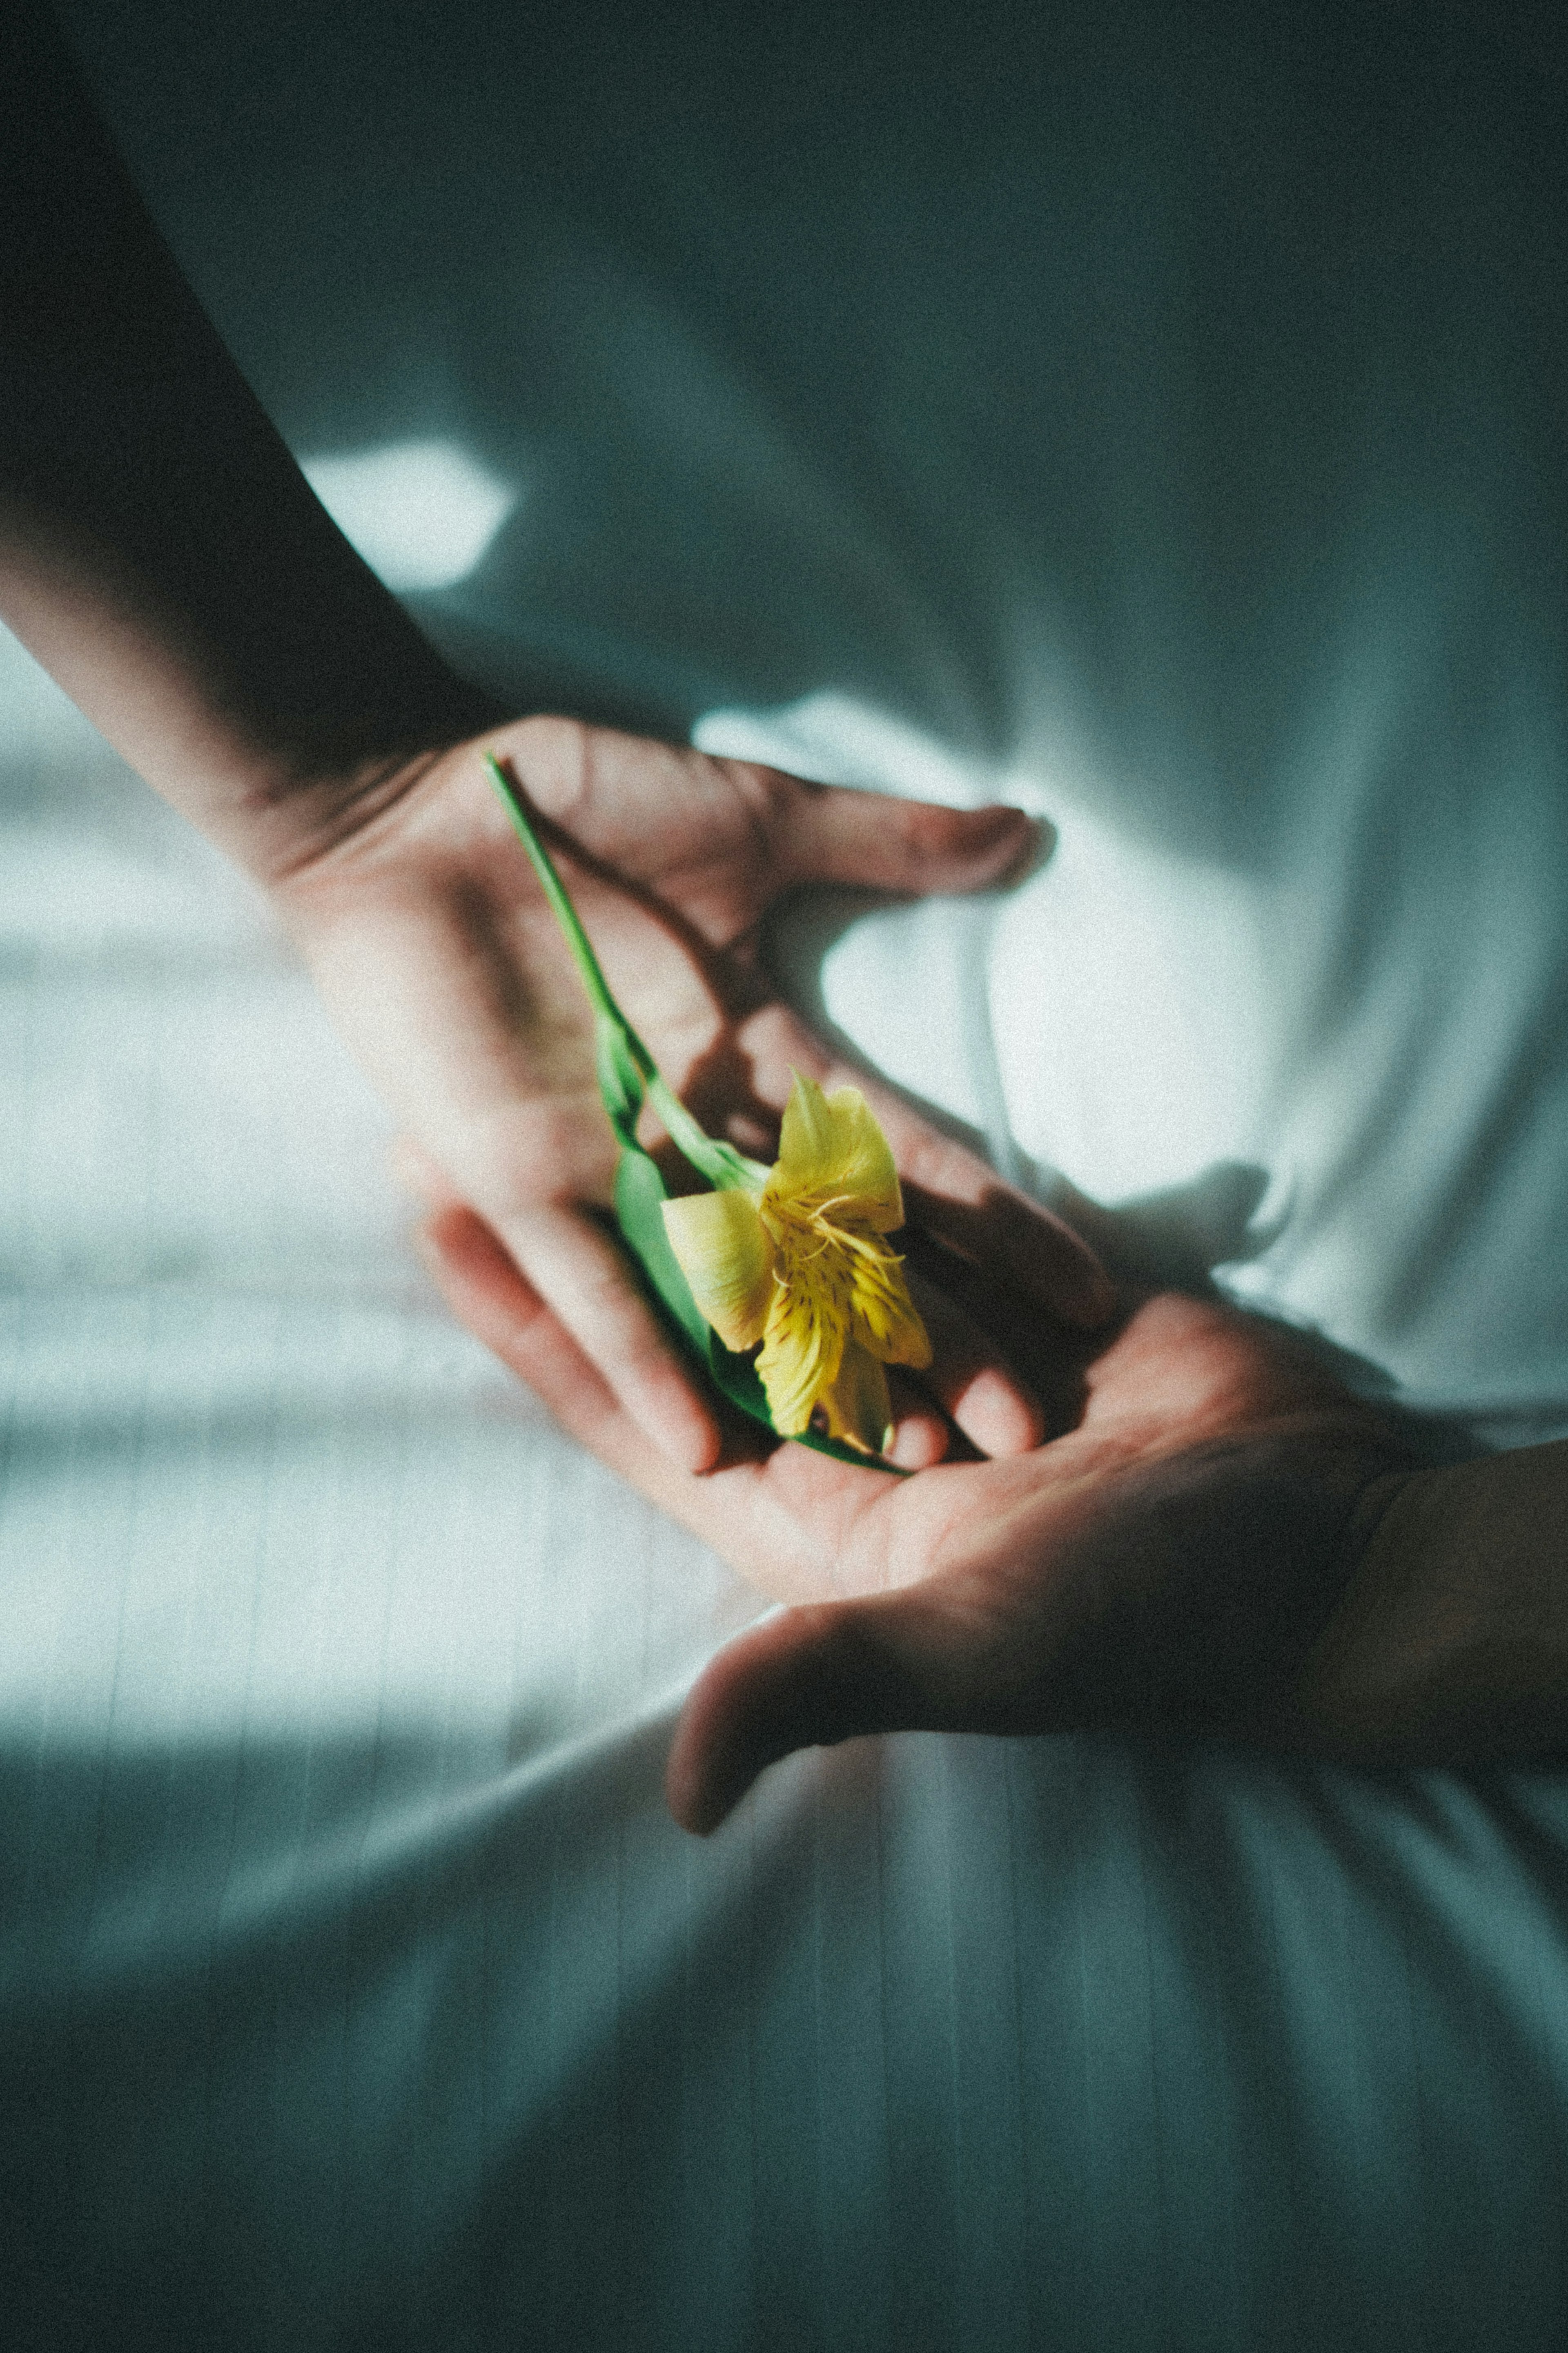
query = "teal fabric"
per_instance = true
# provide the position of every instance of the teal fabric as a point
(1154, 414)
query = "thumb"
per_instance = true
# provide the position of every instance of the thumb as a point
(829, 833)
(806, 1678)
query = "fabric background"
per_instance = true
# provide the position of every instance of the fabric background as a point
(1154, 415)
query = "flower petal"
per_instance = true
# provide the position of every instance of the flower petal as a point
(857, 1403)
(831, 1148)
(884, 1317)
(727, 1259)
(802, 1346)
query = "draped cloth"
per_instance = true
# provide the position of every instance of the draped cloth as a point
(1154, 420)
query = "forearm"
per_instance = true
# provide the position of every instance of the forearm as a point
(160, 552)
(1450, 1642)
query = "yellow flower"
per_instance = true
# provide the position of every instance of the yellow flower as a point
(802, 1267)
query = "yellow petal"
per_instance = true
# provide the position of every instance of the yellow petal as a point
(727, 1259)
(857, 1403)
(831, 1148)
(802, 1346)
(884, 1317)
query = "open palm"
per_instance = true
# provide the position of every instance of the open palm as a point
(1169, 1559)
(433, 946)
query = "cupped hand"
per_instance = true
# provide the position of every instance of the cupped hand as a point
(1168, 1561)
(431, 944)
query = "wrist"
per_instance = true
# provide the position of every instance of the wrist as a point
(277, 720)
(161, 553)
(292, 805)
(1449, 1644)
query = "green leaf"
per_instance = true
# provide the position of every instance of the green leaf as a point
(640, 1212)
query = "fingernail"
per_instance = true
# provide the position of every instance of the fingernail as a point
(1034, 851)
(1031, 838)
(710, 1805)
(987, 826)
(693, 1450)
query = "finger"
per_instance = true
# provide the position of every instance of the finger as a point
(969, 1375)
(827, 833)
(811, 1677)
(1044, 1361)
(691, 1441)
(583, 1277)
(418, 1173)
(920, 1435)
(948, 1189)
(988, 1399)
(778, 1514)
(952, 1194)
(487, 1291)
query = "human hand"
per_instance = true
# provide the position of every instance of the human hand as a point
(433, 946)
(165, 558)
(1168, 1561)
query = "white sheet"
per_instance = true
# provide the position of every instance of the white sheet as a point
(354, 1987)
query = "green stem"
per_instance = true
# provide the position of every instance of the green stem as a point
(723, 1167)
(565, 913)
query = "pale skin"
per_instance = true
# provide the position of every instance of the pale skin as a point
(1169, 1561)
(1176, 1497)
(433, 946)
(164, 558)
